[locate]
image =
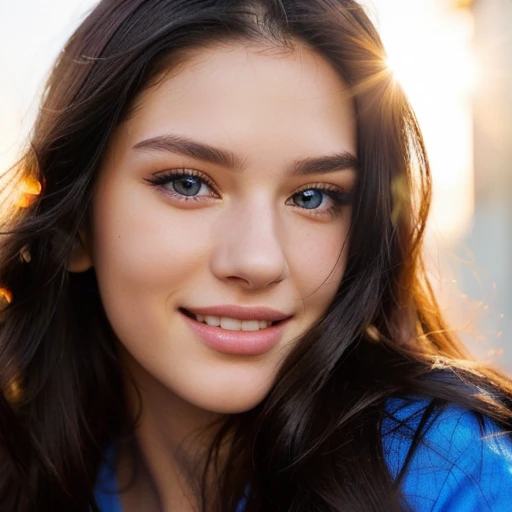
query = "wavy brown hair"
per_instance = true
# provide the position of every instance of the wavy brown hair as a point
(315, 442)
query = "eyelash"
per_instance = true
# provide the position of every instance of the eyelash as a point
(160, 180)
(339, 197)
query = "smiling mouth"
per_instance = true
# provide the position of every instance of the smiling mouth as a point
(230, 324)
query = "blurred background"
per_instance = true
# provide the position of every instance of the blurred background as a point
(454, 59)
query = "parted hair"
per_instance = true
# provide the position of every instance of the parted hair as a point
(315, 442)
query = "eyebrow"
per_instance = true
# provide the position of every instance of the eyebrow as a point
(185, 146)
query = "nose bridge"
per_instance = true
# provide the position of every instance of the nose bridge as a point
(249, 244)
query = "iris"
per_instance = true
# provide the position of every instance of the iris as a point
(187, 186)
(309, 199)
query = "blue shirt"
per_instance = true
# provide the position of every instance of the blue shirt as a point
(454, 469)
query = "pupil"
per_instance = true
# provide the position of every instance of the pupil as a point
(309, 199)
(187, 186)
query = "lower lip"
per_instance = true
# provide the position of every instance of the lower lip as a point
(246, 343)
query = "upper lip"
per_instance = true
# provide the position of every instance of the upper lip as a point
(241, 312)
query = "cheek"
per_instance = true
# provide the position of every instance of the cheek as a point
(318, 263)
(142, 238)
(143, 251)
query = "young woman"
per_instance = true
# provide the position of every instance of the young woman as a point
(214, 296)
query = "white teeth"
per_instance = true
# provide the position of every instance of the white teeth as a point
(212, 320)
(233, 324)
(251, 325)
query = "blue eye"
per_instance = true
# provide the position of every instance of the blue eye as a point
(309, 199)
(183, 184)
(323, 201)
(187, 186)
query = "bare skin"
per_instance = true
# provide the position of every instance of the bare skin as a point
(248, 237)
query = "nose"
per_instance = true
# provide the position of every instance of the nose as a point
(249, 247)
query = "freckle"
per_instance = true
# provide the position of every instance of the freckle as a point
(486, 308)
(499, 334)
(500, 352)
(502, 315)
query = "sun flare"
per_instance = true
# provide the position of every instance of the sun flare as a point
(430, 54)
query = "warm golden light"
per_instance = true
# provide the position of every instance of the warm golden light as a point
(30, 188)
(5, 296)
(429, 47)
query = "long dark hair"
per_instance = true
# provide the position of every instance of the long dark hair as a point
(315, 442)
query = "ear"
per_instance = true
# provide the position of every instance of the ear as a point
(80, 259)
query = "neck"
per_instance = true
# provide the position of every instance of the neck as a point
(164, 466)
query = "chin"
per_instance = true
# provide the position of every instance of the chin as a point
(228, 402)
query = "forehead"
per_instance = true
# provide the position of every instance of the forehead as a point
(253, 97)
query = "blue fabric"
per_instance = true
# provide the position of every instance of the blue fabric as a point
(455, 468)
(106, 494)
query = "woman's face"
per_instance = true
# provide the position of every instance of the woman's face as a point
(225, 197)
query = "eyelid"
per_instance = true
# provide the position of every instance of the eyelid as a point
(338, 193)
(161, 178)
(322, 186)
(340, 197)
(182, 172)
